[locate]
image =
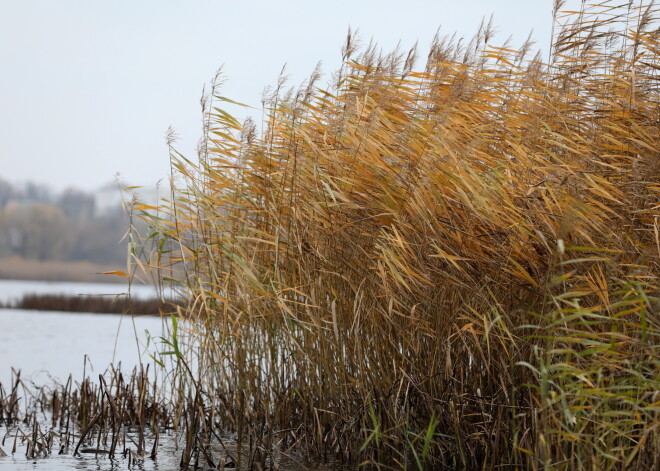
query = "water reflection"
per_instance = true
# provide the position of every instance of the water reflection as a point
(167, 459)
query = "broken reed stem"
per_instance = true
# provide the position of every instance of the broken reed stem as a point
(108, 418)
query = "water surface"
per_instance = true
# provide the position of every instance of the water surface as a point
(52, 344)
(47, 345)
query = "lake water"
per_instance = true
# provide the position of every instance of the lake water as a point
(51, 344)
(47, 346)
(167, 459)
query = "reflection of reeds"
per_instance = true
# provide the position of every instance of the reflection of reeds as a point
(452, 267)
(96, 304)
(119, 416)
(87, 417)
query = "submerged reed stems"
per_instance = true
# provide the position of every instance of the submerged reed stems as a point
(85, 417)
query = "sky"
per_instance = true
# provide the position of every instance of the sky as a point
(88, 88)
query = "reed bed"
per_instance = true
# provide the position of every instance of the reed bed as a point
(94, 304)
(452, 266)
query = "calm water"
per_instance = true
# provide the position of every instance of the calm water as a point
(47, 346)
(51, 344)
(167, 459)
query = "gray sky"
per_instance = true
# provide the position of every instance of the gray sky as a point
(88, 88)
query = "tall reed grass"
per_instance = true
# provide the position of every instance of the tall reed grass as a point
(447, 266)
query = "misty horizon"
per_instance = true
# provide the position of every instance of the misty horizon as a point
(89, 90)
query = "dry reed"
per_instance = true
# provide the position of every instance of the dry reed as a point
(452, 266)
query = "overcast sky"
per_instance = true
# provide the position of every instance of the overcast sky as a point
(89, 88)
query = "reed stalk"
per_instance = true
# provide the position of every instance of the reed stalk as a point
(452, 266)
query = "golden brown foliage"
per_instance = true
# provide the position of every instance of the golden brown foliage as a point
(454, 266)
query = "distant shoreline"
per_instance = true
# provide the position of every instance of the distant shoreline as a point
(17, 268)
(91, 304)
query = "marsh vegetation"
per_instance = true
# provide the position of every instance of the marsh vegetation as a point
(445, 266)
(97, 304)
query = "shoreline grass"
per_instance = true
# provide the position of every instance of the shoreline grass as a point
(113, 417)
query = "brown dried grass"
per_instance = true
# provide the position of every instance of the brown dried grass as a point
(453, 266)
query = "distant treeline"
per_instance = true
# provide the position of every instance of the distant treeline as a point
(39, 224)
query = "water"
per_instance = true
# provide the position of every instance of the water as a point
(48, 345)
(167, 459)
